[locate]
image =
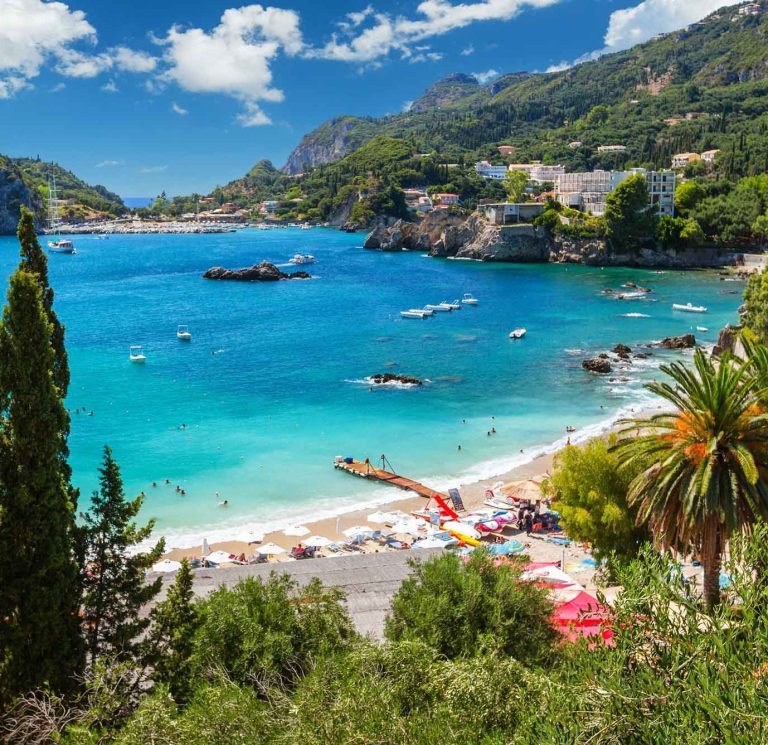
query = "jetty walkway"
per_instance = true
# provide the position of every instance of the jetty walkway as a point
(367, 470)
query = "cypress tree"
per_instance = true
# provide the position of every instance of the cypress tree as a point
(174, 623)
(113, 585)
(40, 638)
(34, 260)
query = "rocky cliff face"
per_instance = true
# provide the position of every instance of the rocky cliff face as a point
(326, 144)
(451, 88)
(13, 194)
(443, 234)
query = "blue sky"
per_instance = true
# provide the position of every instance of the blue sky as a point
(143, 96)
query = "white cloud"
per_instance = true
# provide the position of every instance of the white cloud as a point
(58, 87)
(108, 163)
(407, 105)
(132, 60)
(467, 51)
(387, 33)
(234, 58)
(176, 109)
(152, 169)
(110, 87)
(31, 32)
(485, 77)
(632, 26)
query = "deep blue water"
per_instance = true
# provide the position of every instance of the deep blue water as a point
(267, 386)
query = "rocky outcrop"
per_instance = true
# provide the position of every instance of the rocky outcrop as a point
(451, 88)
(442, 233)
(13, 194)
(328, 143)
(264, 272)
(729, 341)
(685, 341)
(622, 351)
(597, 365)
(385, 378)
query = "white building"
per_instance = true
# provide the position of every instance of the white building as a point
(611, 148)
(681, 160)
(538, 172)
(750, 9)
(708, 156)
(486, 170)
(588, 191)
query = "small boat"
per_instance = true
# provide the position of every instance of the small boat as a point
(60, 245)
(702, 328)
(302, 259)
(455, 305)
(136, 354)
(439, 308)
(183, 333)
(413, 314)
(424, 311)
(689, 308)
(305, 226)
(517, 334)
(469, 299)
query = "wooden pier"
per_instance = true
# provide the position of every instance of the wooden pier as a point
(369, 471)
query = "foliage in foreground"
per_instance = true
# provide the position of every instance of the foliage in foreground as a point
(459, 608)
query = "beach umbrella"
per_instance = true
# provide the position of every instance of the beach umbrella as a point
(167, 565)
(254, 536)
(220, 557)
(297, 530)
(380, 518)
(430, 543)
(527, 490)
(317, 540)
(505, 549)
(551, 574)
(358, 530)
(271, 549)
(411, 526)
(206, 548)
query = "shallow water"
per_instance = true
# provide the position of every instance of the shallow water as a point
(272, 386)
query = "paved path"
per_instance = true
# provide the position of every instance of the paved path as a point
(369, 580)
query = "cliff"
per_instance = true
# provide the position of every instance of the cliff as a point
(443, 234)
(13, 194)
(444, 92)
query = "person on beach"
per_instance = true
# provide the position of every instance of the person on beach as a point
(528, 523)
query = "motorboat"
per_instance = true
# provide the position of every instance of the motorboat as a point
(439, 308)
(517, 333)
(424, 311)
(306, 226)
(689, 308)
(136, 354)
(702, 328)
(183, 333)
(302, 259)
(60, 245)
(413, 314)
(469, 299)
(455, 305)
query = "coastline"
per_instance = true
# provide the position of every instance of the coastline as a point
(536, 463)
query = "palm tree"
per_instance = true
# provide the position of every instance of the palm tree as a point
(709, 476)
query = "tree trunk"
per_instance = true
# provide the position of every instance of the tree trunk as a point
(711, 558)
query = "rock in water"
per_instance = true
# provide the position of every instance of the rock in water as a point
(384, 378)
(264, 272)
(685, 341)
(597, 365)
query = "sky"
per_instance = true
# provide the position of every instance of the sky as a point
(147, 96)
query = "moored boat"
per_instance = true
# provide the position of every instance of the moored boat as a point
(136, 354)
(438, 308)
(302, 259)
(517, 333)
(60, 245)
(469, 299)
(414, 313)
(183, 333)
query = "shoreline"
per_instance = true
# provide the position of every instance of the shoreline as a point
(331, 524)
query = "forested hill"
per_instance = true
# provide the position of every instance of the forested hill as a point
(24, 181)
(715, 72)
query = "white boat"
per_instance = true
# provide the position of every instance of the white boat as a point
(469, 299)
(517, 334)
(424, 311)
(689, 308)
(302, 259)
(60, 245)
(136, 354)
(183, 333)
(413, 313)
(702, 328)
(455, 305)
(439, 308)
(305, 226)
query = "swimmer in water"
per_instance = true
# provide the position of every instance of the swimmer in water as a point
(225, 503)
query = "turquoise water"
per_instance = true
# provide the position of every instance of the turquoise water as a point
(270, 386)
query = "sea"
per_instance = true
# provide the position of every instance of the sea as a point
(275, 381)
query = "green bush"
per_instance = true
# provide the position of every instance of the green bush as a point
(465, 608)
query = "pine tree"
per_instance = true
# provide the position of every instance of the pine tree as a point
(113, 585)
(174, 622)
(40, 638)
(33, 259)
